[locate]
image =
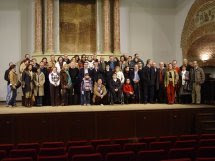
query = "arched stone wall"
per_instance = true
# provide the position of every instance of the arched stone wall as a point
(198, 33)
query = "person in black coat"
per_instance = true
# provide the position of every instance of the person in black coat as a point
(116, 89)
(107, 76)
(141, 82)
(97, 73)
(135, 80)
(161, 90)
(75, 89)
(83, 71)
(149, 79)
(127, 73)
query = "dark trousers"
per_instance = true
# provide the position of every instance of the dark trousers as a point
(64, 96)
(149, 93)
(13, 97)
(99, 100)
(128, 98)
(85, 98)
(39, 100)
(141, 92)
(116, 96)
(162, 94)
(54, 92)
(137, 93)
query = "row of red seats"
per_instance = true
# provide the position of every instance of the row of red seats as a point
(155, 155)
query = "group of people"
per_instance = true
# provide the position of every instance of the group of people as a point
(90, 80)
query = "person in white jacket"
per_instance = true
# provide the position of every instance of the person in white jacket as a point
(54, 80)
(120, 74)
(60, 63)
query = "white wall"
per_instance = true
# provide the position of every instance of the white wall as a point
(15, 35)
(150, 27)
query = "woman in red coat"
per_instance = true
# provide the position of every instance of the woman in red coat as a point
(128, 91)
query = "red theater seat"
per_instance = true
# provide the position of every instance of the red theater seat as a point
(123, 141)
(95, 143)
(207, 136)
(186, 144)
(205, 159)
(17, 159)
(3, 154)
(28, 146)
(6, 147)
(161, 145)
(168, 138)
(151, 155)
(104, 149)
(147, 140)
(206, 152)
(189, 137)
(77, 143)
(135, 147)
(181, 153)
(120, 156)
(53, 158)
(53, 144)
(20, 153)
(207, 142)
(88, 149)
(181, 159)
(51, 151)
(87, 157)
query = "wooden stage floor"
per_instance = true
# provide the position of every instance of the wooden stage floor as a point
(78, 108)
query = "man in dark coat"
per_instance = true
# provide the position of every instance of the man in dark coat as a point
(116, 89)
(161, 90)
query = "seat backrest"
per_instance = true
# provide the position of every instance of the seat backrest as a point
(135, 147)
(53, 158)
(206, 152)
(51, 151)
(168, 138)
(181, 159)
(77, 143)
(185, 144)
(147, 140)
(181, 153)
(87, 157)
(207, 136)
(104, 149)
(15, 153)
(53, 144)
(152, 155)
(6, 147)
(18, 159)
(28, 146)
(207, 142)
(189, 137)
(205, 159)
(123, 141)
(121, 156)
(161, 145)
(95, 143)
(3, 154)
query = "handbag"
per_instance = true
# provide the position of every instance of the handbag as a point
(18, 84)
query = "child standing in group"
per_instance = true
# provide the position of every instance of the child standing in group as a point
(86, 90)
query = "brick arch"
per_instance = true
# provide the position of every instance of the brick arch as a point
(193, 32)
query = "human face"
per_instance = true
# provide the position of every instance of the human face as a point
(195, 64)
(161, 65)
(128, 81)
(85, 65)
(99, 81)
(114, 76)
(30, 67)
(174, 64)
(170, 66)
(55, 70)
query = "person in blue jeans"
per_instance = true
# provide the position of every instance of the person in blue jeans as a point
(86, 89)
(6, 77)
(13, 78)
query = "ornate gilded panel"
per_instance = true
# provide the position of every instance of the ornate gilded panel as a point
(77, 26)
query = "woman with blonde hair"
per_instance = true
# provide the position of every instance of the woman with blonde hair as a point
(170, 81)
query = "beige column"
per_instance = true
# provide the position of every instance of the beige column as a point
(38, 27)
(49, 27)
(107, 35)
(116, 26)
